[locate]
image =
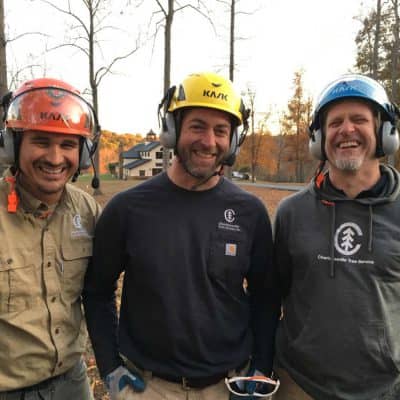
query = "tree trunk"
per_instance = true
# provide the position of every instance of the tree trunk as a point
(395, 54)
(228, 170)
(167, 65)
(375, 56)
(3, 57)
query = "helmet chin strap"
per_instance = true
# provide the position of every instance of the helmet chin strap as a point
(219, 172)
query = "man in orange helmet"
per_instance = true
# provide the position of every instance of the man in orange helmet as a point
(46, 226)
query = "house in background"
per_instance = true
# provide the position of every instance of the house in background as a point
(145, 159)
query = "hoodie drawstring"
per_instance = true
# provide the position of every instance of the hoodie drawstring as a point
(371, 215)
(332, 241)
(331, 204)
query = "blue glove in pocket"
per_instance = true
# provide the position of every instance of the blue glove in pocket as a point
(120, 378)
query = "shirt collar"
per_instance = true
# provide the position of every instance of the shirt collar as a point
(374, 191)
(34, 206)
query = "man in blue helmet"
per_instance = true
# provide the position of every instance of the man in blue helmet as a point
(337, 252)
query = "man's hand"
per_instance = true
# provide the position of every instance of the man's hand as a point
(121, 382)
(251, 387)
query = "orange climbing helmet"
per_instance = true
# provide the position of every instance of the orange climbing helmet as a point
(50, 105)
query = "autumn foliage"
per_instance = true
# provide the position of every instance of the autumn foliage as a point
(112, 143)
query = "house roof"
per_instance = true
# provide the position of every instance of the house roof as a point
(134, 152)
(136, 163)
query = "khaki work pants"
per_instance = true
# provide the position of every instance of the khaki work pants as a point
(159, 389)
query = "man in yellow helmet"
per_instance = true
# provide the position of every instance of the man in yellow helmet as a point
(186, 240)
(46, 228)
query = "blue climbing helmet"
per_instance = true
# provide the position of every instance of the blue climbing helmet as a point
(356, 86)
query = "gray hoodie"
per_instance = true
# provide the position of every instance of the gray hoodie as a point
(338, 261)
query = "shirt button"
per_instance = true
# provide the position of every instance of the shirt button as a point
(53, 299)
(60, 364)
(57, 331)
(49, 264)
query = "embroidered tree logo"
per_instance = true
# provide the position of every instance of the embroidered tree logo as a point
(346, 238)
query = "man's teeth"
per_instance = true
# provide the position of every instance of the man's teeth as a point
(345, 145)
(203, 154)
(52, 170)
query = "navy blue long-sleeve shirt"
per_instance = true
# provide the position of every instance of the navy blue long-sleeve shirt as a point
(185, 255)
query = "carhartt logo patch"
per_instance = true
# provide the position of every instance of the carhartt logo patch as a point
(230, 249)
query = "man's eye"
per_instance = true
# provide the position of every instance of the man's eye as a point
(69, 145)
(361, 120)
(221, 133)
(334, 124)
(40, 143)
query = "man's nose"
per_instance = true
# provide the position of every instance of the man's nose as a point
(208, 137)
(347, 126)
(54, 155)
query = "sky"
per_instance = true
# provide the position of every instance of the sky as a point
(277, 38)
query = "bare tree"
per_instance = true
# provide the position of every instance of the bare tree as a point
(168, 13)
(11, 73)
(233, 10)
(395, 74)
(85, 33)
(3, 56)
(375, 54)
(255, 136)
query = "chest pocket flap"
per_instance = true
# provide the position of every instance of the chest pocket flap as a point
(75, 259)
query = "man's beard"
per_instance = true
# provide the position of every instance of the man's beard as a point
(199, 172)
(349, 164)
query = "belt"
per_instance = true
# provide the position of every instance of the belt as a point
(193, 383)
(187, 383)
(37, 386)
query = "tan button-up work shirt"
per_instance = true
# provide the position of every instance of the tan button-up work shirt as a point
(43, 259)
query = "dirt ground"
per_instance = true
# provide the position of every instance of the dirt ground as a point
(270, 198)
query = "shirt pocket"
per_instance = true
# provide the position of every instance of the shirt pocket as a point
(19, 281)
(229, 261)
(75, 258)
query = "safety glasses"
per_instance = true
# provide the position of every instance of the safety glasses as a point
(268, 385)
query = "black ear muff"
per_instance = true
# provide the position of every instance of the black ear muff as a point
(168, 134)
(389, 138)
(86, 153)
(315, 145)
(7, 150)
(233, 149)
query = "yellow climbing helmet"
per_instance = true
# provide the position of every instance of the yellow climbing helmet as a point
(208, 90)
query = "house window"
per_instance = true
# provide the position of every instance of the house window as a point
(159, 155)
(142, 172)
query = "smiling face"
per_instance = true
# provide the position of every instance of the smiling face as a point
(204, 141)
(350, 138)
(46, 162)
